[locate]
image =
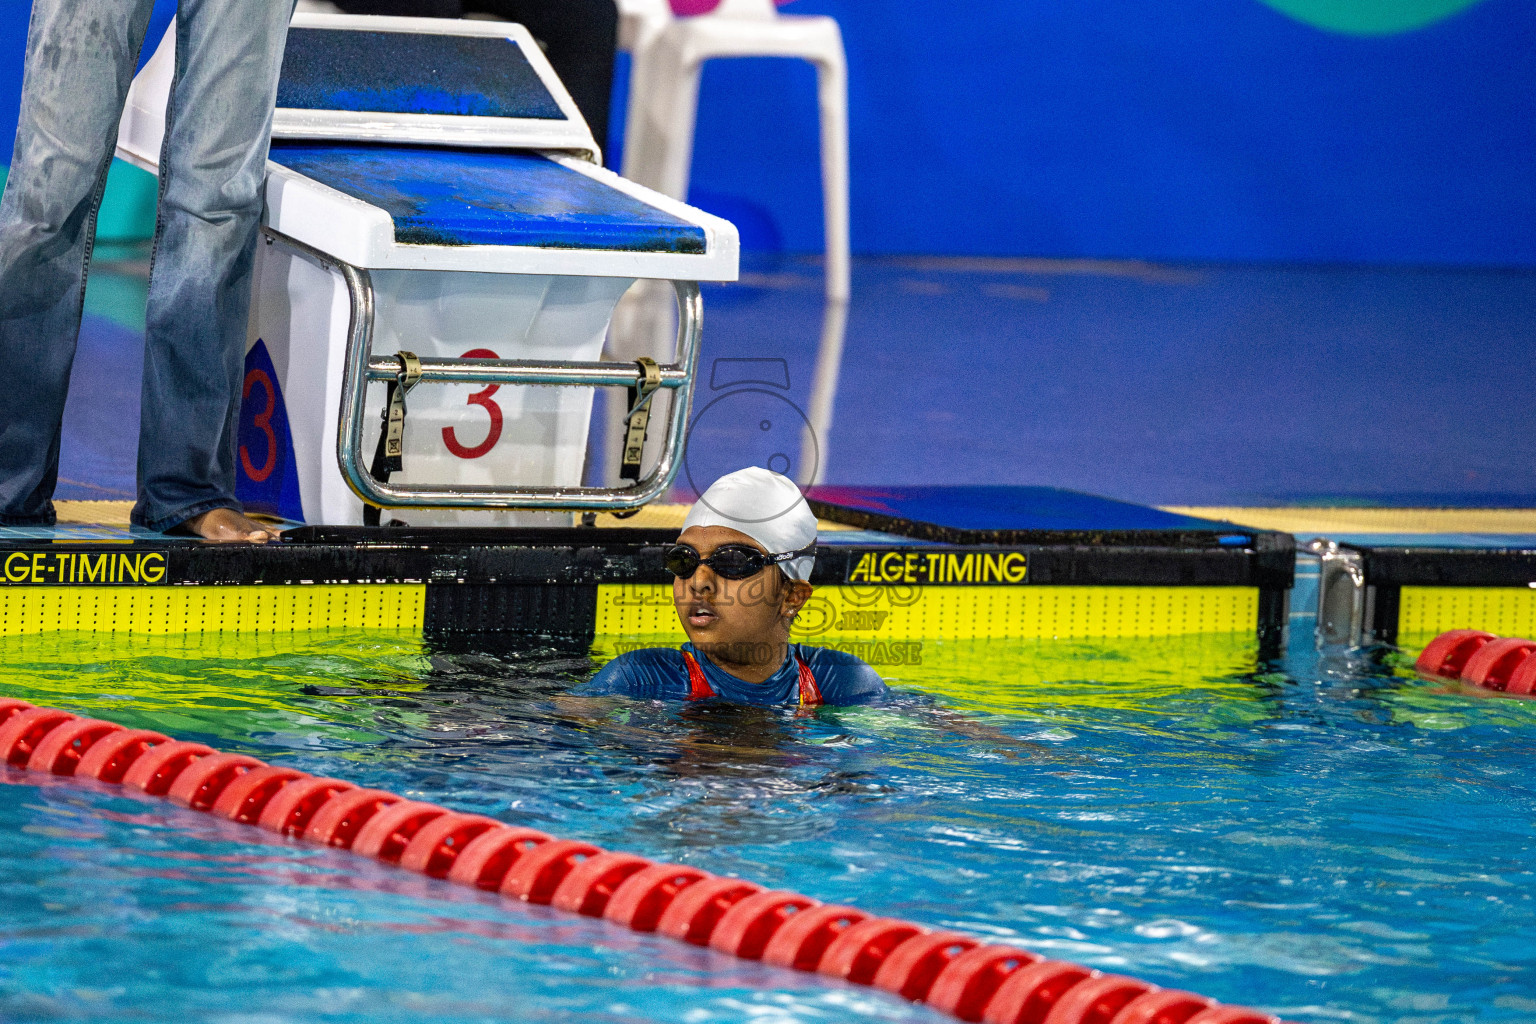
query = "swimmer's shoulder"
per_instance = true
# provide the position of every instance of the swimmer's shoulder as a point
(843, 678)
(657, 673)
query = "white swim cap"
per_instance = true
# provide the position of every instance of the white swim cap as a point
(765, 506)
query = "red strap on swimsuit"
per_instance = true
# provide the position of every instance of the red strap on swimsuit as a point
(699, 688)
(810, 693)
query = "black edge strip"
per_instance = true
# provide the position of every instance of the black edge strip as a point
(1274, 617)
(1448, 567)
(591, 557)
(1385, 604)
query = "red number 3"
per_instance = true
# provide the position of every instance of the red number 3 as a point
(263, 422)
(481, 398)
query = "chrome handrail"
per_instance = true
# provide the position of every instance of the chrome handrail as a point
(362, 366)
(519, 371)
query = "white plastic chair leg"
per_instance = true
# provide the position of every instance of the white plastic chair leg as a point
(658, 144)
(815, 445)
(676, 111)
(663, 107)
(832, 96)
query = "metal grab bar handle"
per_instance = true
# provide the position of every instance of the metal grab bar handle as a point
(518, 371)
(359, 368)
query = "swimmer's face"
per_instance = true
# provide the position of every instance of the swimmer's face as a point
(718, 614)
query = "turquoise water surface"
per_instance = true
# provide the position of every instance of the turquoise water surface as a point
(1326, 837)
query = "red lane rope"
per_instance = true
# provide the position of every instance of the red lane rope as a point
(998, 984)
(1504, 664)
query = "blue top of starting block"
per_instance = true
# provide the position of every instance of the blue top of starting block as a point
(411, 73)
(485, 197)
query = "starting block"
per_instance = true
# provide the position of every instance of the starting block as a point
(438, 227)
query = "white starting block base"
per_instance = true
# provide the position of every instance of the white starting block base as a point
(471, 435)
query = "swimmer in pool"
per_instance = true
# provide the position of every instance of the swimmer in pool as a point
(741, 568)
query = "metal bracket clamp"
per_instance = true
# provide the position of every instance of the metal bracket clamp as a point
(362, 367)
(393, 437)
(1341, 594)
(639, 418)
(389, 456)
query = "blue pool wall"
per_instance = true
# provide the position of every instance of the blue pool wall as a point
(1189, 130)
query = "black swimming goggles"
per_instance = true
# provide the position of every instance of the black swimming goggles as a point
(728, 561)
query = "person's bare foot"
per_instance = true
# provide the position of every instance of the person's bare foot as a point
(226, 526)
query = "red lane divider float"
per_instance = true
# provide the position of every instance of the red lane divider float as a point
(997, 984)
(1505, 664)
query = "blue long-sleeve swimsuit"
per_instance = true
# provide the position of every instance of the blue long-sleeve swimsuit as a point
(661, 673)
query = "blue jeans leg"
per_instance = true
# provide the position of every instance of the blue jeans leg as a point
(212, 172)
(80, 60)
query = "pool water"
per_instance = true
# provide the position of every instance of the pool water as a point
(1327, 837)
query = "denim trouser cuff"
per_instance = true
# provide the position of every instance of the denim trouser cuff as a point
(45, 518)
(175, 519)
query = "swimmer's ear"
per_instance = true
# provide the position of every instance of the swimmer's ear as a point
(795, 595)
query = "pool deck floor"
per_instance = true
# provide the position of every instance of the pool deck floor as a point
(1192, 386)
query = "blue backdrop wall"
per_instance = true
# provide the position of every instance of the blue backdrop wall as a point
(1395, 131)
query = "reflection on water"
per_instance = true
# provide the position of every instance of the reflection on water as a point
(1330, 837)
